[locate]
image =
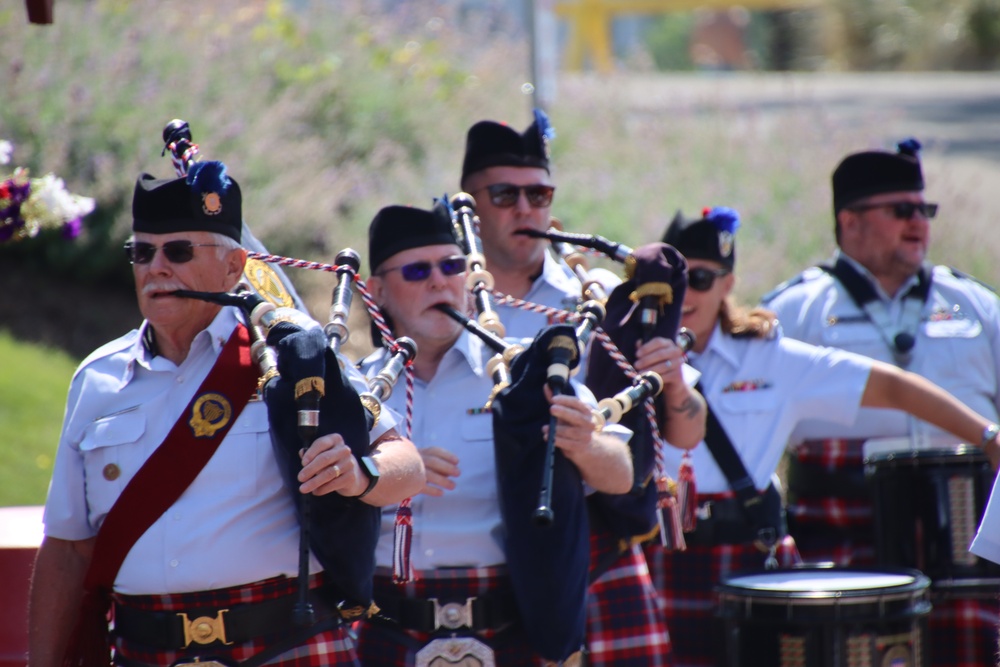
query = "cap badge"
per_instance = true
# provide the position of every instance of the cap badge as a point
(725, 243)
(211, 203)
(210, 413)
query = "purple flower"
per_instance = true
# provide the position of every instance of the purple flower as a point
(71, 228)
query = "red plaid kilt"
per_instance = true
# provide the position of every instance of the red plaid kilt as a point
(333, 647)
(962, 631)
(686, 581)
(625, 619)
(832, 528)
(382, 645)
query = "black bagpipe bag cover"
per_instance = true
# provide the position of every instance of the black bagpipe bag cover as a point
(547, 564)
(634, 513)
(342, 531)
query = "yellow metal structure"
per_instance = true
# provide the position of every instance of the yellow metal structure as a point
(590, 22)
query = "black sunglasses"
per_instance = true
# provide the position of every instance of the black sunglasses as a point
(417, 271)
(903, 210)
(177, 252)
(505, 195)
(702, 279)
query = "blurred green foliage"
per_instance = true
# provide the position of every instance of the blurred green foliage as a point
(325, 112)
(29, 418)
(853, 35)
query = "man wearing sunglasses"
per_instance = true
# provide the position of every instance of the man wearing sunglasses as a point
(167, 501)
(880, 297)
(463, 589)
(508, 173)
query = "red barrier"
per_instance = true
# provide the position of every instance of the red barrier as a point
(20, 535)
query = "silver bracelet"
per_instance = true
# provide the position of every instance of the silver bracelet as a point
(989, 434)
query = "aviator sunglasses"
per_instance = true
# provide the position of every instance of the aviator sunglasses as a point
(177, 252)
(902, 210)
(505, 195)
(417, 271)
(702, 279)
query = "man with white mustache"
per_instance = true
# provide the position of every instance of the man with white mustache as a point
(166, 501)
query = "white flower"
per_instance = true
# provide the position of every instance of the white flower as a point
(56, 204)
(6, 148)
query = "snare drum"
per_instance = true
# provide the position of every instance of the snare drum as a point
(824, 617)
(928, 505)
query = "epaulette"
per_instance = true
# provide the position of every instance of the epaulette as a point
(961, 275)
(108, 349)
(808, 274)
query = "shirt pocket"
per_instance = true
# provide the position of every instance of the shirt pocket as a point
(245, 455)
(112, 454)
(858, 331)
(746, 404)
(476, 460)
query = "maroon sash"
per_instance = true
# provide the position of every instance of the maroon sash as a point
(157, 485)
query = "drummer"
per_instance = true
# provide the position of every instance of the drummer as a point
(759, 386)
(879, 296)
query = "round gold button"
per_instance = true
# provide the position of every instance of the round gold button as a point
(111, 472)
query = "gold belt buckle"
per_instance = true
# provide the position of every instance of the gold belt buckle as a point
(204, 629)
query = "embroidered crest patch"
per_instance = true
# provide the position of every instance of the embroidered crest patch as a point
(210, 413)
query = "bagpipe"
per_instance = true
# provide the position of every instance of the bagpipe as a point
(308, 396)
(541, 493)
(646, 304)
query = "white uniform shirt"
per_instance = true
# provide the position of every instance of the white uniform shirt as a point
(556, 287)
(235, 523)
(957, 345)
(462, 528)
(759, 389)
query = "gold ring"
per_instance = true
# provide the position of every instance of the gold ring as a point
(336, 471)
(670, 364)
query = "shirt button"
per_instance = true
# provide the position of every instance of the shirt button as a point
(180, 379)
(173, 563)
(111, 472)
(429, 552)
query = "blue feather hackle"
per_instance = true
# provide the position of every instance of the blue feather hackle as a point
(208, 177)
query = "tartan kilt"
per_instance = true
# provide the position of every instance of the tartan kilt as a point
(686, 581)
(831, 528)
(382, 644)
(962, 631)
(625, 619)
(333, 647)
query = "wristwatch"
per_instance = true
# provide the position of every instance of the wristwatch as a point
(989, 433)
(369, 468)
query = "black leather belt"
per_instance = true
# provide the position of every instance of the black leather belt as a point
(486, 612)
(724, 522)
(236, 624)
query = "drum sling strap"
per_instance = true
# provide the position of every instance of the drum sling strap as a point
(161, 480)
(729, 461)
(900, 340)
